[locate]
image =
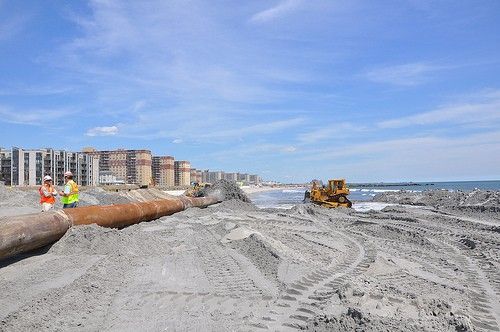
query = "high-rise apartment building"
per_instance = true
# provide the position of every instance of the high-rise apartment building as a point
(212, 176)
(192, 175)
(244, 177)
(182, 173)
(5, 165)
(231, 176)
(27, 167)
(204, 176)
(133, 166)
(255, 179)
(163, 170)
(196, 176)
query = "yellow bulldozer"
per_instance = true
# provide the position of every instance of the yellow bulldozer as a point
(196, 189)
(331, 196)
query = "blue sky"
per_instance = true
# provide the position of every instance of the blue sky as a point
(404, 90)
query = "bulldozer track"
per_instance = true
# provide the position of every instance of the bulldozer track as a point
(485, 311)
(461, 247)
(223, 272)
(304, 298)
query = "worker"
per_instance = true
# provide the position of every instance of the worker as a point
(47, 194)
(69, 197)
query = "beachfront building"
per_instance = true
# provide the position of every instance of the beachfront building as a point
(134, 166)
(108, 178)
(231, 176)
(204, 176)
(255, 179)
(163, 170)
(5, 165)
(192, 175)
(212, 176)
(27, 167)
(182, 173)
(244, 177)
(196, 176)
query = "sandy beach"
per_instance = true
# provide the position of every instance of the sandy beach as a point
(417, 266)
(246, 189)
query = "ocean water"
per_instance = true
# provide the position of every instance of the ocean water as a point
(361, 195)
(282, 199)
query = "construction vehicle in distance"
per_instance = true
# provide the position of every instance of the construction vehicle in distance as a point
(196, 189)
(331, 196)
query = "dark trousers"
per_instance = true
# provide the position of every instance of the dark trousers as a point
(68, 206)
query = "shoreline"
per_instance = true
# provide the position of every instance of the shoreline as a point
(252, 189)
(246, 189)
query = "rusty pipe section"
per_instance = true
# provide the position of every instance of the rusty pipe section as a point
(30, 231)
(26, 232)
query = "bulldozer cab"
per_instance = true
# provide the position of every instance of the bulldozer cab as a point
(338, 186)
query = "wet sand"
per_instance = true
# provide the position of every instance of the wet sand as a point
(233, 267)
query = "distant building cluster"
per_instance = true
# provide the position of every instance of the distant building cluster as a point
(244, 178)
(21, 167)
(27, 167)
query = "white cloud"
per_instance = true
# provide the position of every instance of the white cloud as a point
(13, 25)
(413, 147)
(409, 74)
(470, 157)
(260, 128)
(289, 149)
(40, 90)
(336, 130)
(177, 141)
(483, 110)
(284, 7)
(102, 131)
(37, 117)
(256, 151)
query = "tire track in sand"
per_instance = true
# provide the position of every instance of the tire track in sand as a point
(303, 299)
(484, 305)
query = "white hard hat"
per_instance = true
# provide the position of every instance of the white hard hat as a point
(47, 178)
(68, 173)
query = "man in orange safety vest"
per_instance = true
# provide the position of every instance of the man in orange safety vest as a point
(47, 194)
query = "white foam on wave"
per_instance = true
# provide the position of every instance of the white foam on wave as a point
(292, 191)
(384, 190)
(375, 190)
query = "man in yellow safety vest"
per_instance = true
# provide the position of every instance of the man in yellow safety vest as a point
(69, 197)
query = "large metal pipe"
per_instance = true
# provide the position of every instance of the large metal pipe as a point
(26, 232)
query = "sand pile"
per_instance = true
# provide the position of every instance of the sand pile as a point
(234, 205)
(225, 190)
(443, 198)
(99, 196)
(26, 197)
(144, 195)
(96, 240)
